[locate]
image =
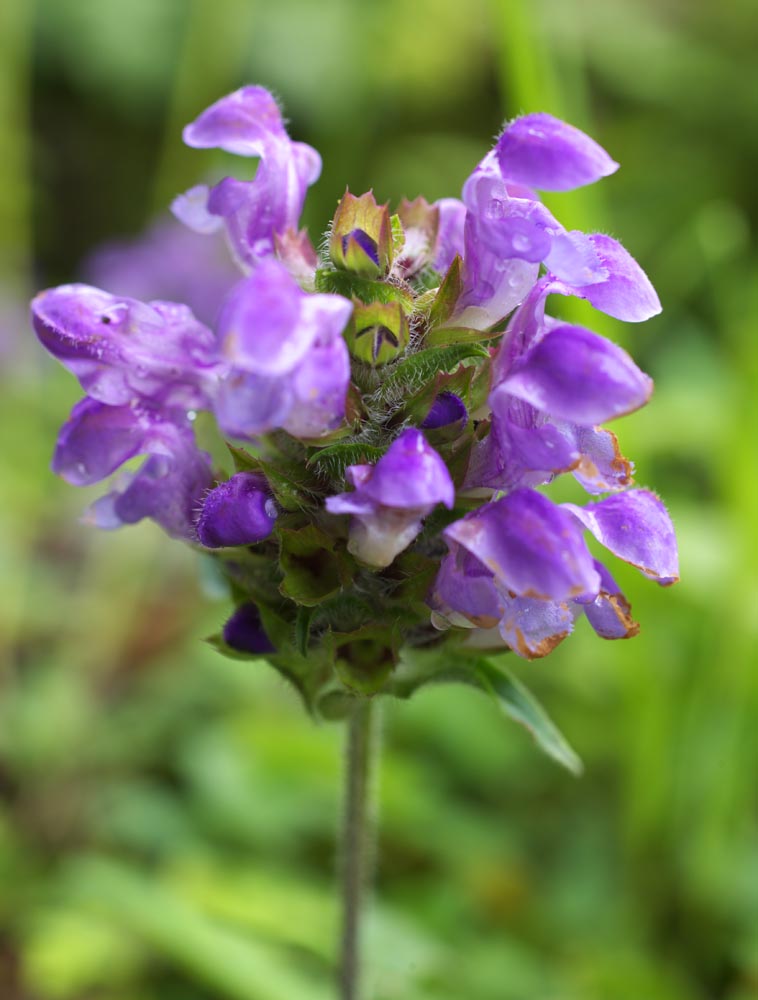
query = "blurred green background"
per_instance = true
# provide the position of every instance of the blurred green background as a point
(167, 817)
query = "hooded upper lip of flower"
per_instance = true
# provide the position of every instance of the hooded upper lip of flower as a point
(248, 122)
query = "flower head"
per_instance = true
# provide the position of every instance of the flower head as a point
(414, 362)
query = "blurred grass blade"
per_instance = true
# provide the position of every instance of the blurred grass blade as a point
(520, 705)
(232, 965)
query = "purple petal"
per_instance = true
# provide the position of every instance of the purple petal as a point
(529, 544)
(244, 631)
(120, 348)
(484, 185)
(627, 294)
(541, 445)
(248, 405)
(534, 628)
(602, 468)
(610, 613)
(410, 475)
(452, 216)
(492, 285)
(268, 324)
(576, 375)
(379, 535)
(240, 511)
(168, 486)
(465, 586)
(243, 123)
(260, 326)
(97, 439)
(191, 208)
(636, 527)
(319, 388)
(573, 258)
(545, 153)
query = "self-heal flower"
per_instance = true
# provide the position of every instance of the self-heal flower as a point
(520, 564)
(98, 439)
(249, 123)
(392, 498)
(288, 363)
(121, 349)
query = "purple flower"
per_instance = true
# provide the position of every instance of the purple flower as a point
(249, 123)
(520, 563)
(244, 631)
(98, 439)
(240, 511)
(168, 261)
(289, 366)
(509, 232)
(392, 498)
(121, 349)
(552, 384)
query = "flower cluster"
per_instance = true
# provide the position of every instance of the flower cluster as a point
(413, 361)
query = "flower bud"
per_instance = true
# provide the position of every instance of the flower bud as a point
(361, 236)
(378, 332)
(240, 511)
(245, 633)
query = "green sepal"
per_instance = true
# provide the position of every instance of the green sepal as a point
(415, 371)
(364, 659)
(332, 461)
(352, 286)
(441, 336)
(470, 382)
(312, 570)
(420, 215)
(397, 235)
(378, 332)
(309, 674)
(291, 486)
(303, 629)
(447, 297)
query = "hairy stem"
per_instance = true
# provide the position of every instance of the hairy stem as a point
(358, 840)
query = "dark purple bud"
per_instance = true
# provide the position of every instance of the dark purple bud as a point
(446, 409)
(244, 631)
(240, 511)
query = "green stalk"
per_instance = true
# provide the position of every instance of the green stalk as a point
(358, 845)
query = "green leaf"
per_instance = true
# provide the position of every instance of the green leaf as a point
(519, 704)
(448, 663)
(415, 371)
(447, 296)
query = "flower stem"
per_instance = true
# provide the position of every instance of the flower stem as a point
(358, 840)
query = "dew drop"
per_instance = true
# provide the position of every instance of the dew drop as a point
(520, 242)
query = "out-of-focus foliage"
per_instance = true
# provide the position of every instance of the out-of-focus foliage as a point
(167, 817)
